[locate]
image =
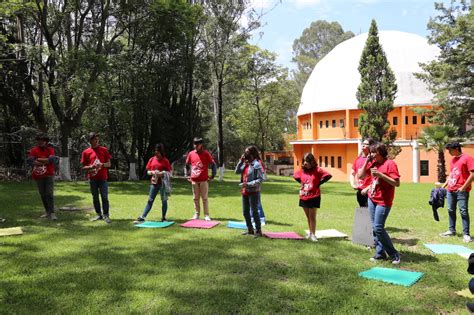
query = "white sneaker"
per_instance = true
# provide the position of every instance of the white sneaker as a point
(313, 238)
(44, 216)
(207, 218)
(195, 216)
(53, 217)
(466, 238)
(262, 221)
(308, 235)
(448, 233)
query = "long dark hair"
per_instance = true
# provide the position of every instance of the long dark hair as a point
(160, 148)
(253, 150)
(309, 157)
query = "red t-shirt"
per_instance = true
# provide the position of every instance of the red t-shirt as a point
(43, 170)
(245, 176)
(91, 156)
(359, 163)
(199, 165)
(381, 192)
(461, 168)
(310, 180)
(155, 164)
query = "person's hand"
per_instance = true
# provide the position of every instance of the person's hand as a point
(462, 189)
(375, 172)
(242, 158)
(189, 179)
(244, 185)
(354, 185)
(365, 191)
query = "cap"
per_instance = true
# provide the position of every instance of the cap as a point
(92, 135)
(453, 145)
(197, 140)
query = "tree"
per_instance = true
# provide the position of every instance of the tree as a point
(316, 42)
(435, 138)
(451, 76)
(376, 91)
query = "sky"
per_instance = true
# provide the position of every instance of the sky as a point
(285, 20)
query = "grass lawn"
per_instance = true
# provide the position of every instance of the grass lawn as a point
(77, 266)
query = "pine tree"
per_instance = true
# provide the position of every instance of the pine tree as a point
(376, 91)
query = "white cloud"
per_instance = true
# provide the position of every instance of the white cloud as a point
(405, 12)
(284, 50)
(305, 3)
(262, 4)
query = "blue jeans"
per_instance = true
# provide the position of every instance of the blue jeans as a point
(383, 243)
(461, 199)
(102, 187)
(154, 189)
(261, 214)
(250, 207)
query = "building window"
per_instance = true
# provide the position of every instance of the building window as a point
(423, 120)
(334, 123)
(320, 124)
(339, 162)
(415, 120)
(327, 123)
(320, 160)
(424, 168)
(406, 120)
(332, 161)
(356, 122)
(341, 123)
(325, 161)
(395, 120)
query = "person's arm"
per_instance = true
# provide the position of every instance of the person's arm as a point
(361, 172)
(468, 182)
(240, 167)
(353, 180)
(259, 178)
(324, 179)
(395, 182)
(213, 170)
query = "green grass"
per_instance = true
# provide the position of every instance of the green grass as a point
(77, 266)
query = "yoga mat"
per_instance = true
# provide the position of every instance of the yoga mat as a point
(283, 235)
(11, 231)
(465, 293)
(362, 228)
(332, 233)
(200, 224)
(152, 224)
(464, 255)
(394, 276)
(448, 249)
(237, 225)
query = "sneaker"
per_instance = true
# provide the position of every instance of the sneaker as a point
(97, 218)
(248, 232)
(139, 220)
(257, 234)
(164, 220)
(2, 220)
(207, 218)
(396, 260)
(262, 221)
(44, 216)
(53, 216)
(308, 235)
(313, 238)
(195, 216)
(378, 258)
(466, 238)
(448, 233)
(107, 220)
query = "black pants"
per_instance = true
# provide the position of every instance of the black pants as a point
(46, 191)
(361, 199)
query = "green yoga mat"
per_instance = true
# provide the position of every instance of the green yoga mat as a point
(152, 224)
(394, 276)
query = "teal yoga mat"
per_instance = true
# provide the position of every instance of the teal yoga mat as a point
(394, 276)
(152, 224)
(237, 225)
(448, 249)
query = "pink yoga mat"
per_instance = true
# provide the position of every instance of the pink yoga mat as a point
(283, 235)
(200, 224)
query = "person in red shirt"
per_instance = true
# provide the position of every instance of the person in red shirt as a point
(311, 177)
(360, 183)
(159, 168)
(96, 161)
(251, 178)
(43, 159)
(459, 186)
(197, 164)
(381, 191)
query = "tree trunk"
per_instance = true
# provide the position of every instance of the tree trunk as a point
(441, 167)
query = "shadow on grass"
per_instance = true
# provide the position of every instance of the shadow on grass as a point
(404, 241)
(392, 229)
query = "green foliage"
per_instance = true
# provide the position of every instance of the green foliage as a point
(435, 138)
(376, 91)
(75, 266)
(315, 42)
(451, 76)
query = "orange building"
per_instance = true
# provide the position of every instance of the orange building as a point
(328, 115)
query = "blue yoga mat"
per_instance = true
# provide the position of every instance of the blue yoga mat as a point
(448, 249)
(152, 224)
(237, 225)
(394, 276)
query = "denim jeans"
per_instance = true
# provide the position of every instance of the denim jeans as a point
(250, 207)
(460, 199)
(154, 190)
(46, 191)
(102, 187)
(261, 214)
(383, 243)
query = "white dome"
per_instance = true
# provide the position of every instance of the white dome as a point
(333, 83)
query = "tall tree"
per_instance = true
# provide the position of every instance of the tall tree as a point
(451, 76)
(316, 42)
(434, 138)
(376, 91)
